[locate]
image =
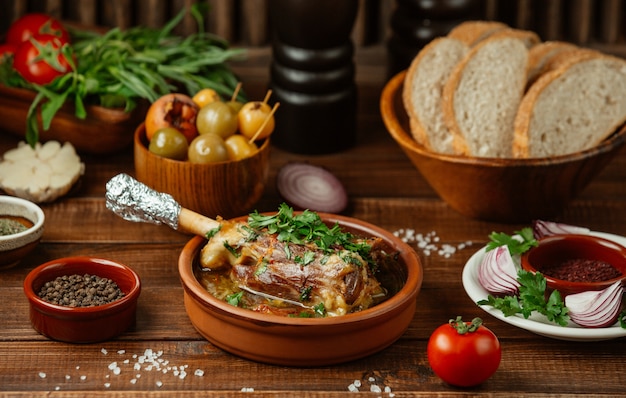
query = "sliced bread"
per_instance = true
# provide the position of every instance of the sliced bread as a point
(422, 91)
(572, 108)
(540, 55)
(482, 95)
(472, 32)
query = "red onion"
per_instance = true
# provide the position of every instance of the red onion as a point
(596, 309)
(548, 228)
(305, 186)
(497, 272)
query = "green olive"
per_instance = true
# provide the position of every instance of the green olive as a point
(207, 148)
(169, 143)
(235, 105)
(238, 147)
(217, 118)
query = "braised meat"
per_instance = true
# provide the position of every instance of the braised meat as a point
(289, 278)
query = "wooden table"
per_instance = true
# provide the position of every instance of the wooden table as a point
(385, 189)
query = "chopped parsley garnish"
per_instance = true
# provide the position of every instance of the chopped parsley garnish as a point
(307, 227)
(231, 249)
(305, 294)
(531, 298)
(214, 231)
(261, 268)
(234, 299)
(515, 245)
(306, 259)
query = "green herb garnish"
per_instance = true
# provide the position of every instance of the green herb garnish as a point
(234, 299)
(307, 227)
(531, 298)
(517, 244)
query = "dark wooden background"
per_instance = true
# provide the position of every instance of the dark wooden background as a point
(593, 23)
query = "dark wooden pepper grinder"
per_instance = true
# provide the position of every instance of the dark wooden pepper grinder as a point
(312, 75)
(414, 23)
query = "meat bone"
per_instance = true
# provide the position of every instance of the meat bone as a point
(134, 201)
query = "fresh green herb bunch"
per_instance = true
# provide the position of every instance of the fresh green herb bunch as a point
(308, 227)
(119, 68)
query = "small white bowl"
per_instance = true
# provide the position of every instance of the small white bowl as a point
(14, 247)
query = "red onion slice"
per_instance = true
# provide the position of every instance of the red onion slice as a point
(596, 309)
(497, 272)
(548, 228)
(305, 186)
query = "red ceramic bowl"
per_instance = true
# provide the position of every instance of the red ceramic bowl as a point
(557, 249)
(305, 341)
(85, 324)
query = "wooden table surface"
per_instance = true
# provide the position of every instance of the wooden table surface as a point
(386, 190)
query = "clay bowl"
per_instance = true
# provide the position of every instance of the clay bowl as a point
(84, 324)
(226, 189)
(14, 247)
(306, 341)
(501, 190)
(554, 250)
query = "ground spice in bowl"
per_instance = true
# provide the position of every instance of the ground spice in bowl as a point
(80, 291)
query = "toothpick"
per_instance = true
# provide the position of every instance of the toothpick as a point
(267, 119)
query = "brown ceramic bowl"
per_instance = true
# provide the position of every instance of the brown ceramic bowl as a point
(502, 190)
(84, 324)
(227, 189)
(557, 249)
(14, 247)
(305, 341)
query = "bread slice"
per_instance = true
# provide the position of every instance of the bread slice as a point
(423, 86)
(572, 108)
(481, 97)
(528, 37)
(472, 32)
(540, 55)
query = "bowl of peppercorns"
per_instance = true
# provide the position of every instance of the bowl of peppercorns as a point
(82, 299)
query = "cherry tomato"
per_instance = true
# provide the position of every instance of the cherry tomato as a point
(207, 148)
(39, 59)
(6, 51)
(252, 116)
(169, 143)
(239, 148)
(35, 24)
(205, 96)
(464, 354)
(217, 118)
(173, 110)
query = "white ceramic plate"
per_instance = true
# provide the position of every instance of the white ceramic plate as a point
(538, 323)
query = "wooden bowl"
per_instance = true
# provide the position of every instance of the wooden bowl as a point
(554, 250)
(296, 341)
(83, 324)
(226, 189)
(501, 190)
(14, 247)
(103, 131)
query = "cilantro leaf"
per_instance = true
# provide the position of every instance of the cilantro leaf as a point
(531, 298)
(517, 244)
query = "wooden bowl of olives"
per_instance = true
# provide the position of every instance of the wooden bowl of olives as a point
(217, 187)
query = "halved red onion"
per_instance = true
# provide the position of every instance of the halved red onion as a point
(596, 309)
(305, 186)
(548, 228)
(497, 272)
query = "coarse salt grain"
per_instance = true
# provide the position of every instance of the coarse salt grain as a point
(104, 351)
(247, 389)
(42, 375)
(429, 243)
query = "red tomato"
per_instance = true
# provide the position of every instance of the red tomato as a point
(464, 359)
(35, 24)
(39, 60)
(6, 50)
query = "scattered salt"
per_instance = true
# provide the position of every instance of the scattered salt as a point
(107, 385)
(83, 377)
(159, 383)
(357, 383)
(42, 375)
(199, 373)
(104, 351)
(429, 243)
(247, 389)
(375, 388)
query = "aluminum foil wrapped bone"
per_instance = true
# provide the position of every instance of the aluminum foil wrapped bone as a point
(135, 201)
